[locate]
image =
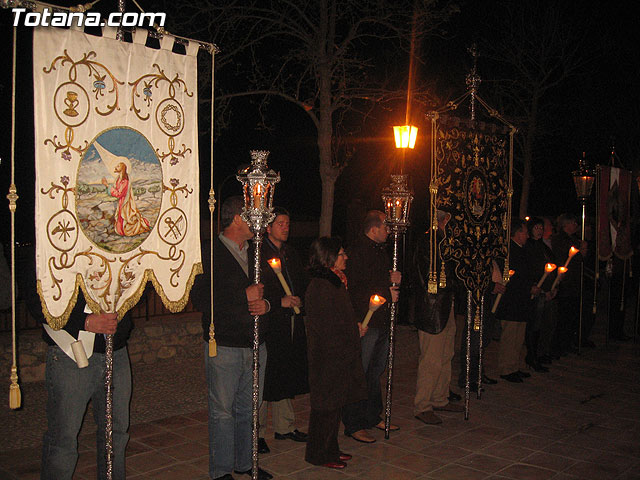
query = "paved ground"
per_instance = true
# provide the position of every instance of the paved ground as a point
(579, 421)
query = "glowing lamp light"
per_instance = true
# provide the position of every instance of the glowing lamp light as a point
(583, 179)
(405, 136)
(549, 267)
(397, 200)
(258, 185)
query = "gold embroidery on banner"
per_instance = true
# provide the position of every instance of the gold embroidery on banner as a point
(169, 112)
(71, 102)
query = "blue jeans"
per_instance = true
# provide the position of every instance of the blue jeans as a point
(69, 390)
(230, 381)
(366, 413)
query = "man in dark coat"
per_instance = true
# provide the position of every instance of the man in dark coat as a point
(229, 373)
(516, 305)
(369, 272)
(568, 297)
(286, 374)
(434, 318)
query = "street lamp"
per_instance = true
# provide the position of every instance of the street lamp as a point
(405, 136)
(258, 185)
(583, 178)
(397, 200)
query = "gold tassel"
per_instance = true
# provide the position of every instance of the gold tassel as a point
(476, 321)
(432, 287)
(443, 276)
(15, 397)
(213, 348)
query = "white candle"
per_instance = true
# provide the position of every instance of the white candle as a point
(276, 265)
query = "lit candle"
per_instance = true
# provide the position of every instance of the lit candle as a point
(499, 296)
(561, 272)
(548, 268)
(572, 253)
(257, 195)
(397, 210)
(276, 265)
(375, 302)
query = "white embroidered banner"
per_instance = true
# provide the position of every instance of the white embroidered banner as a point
(116, 171)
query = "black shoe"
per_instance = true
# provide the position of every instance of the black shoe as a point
(262, 446)
(296, 436)
(262, 474)
(454, 397)
(488, 381)
(523, 374)
(512, 377)
(545, 360)
(535, 364)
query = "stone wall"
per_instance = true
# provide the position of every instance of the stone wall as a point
(168, 336)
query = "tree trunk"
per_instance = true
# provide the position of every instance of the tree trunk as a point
(527, 158)
(328, 172)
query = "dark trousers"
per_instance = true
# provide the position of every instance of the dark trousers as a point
(322, 444)
(366, 413)
(567, 323)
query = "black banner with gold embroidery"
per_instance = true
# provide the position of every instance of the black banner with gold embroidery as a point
(473, 183)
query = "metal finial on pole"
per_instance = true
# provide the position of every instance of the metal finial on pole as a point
(473, 80)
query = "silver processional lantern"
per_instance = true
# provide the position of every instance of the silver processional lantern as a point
(583, 179)
(258, 185)
(397, 200)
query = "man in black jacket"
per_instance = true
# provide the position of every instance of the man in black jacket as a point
(286, 373)
(229, 374)
(368, 273)
(515, 308)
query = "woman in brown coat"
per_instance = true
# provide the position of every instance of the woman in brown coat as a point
(336, 377)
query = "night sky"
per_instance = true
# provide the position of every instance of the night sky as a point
(598, 106)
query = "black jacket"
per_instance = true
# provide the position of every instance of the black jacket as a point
(336, 375)
(368, 274)
(232, 321)
(286, 373)
(431, 311)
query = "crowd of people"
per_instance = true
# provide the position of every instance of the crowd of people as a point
(312, 338)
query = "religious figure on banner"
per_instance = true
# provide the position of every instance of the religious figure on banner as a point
(119, 216)
(128, 219)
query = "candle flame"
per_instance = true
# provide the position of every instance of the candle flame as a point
(512, 273)
(377, 300)
(274, 262)
(573, 251)
(549, 267)
(562, 270)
